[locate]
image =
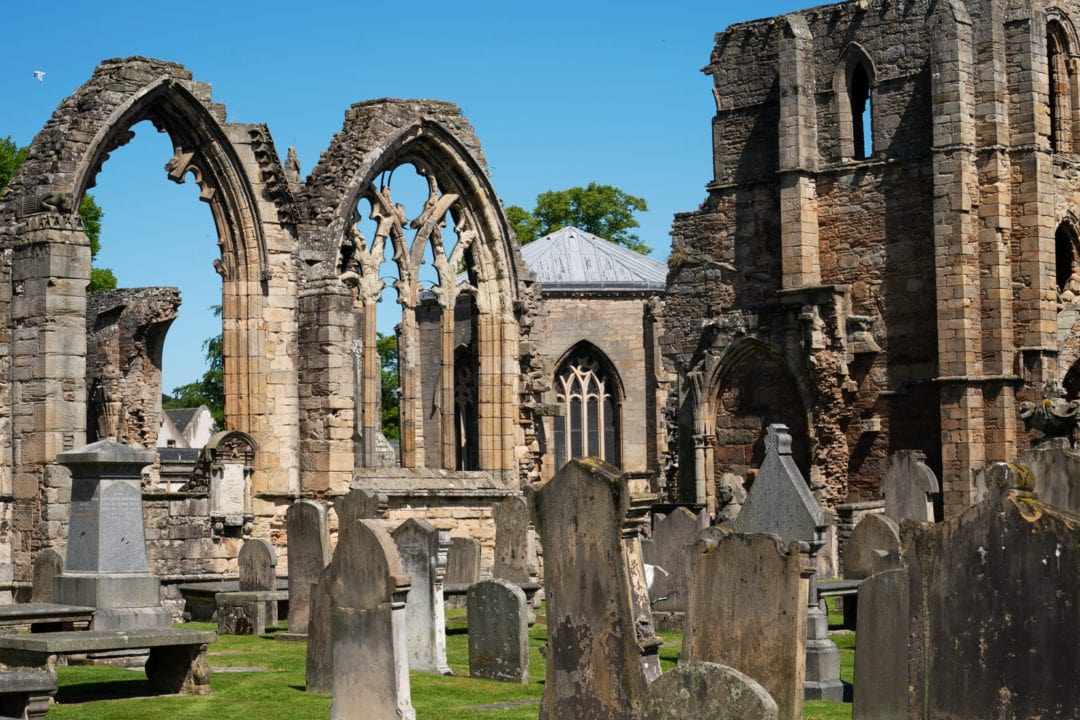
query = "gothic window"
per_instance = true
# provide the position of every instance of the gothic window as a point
(853, 86)
(589, 425)
(1065, 245)
(1060, 100)
(859, 97)
(465, 418)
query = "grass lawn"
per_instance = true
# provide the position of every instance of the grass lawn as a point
(276, 689)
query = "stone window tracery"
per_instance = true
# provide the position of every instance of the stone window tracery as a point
(589, 425)
(1062, 97)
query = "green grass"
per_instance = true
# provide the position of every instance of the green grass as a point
(100, 692)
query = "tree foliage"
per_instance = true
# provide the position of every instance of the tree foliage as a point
(388, 364)
(11, 157)
(209, 390)
(602, 210)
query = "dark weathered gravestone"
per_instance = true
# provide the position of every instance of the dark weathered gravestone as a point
(423, 549)
(707, 690)
(601, 652)
(780, 502)
(515, 550)
(463, 561)
(367, 588)
(498, 631)
(359, 504)
(874, 546)
(47, 565)
(909, 486)
(309, 552)
(106, 565)
(748, 611)
(881, 648)
(1057, 476)
(257, 563)
(672, 536)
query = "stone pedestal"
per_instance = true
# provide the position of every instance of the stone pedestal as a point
(106, 565)
(822, 659)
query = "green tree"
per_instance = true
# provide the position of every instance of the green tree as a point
(11, 158)
(388, 362)
(602, 210)
(209, 390)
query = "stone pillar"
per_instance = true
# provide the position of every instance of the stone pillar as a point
(106, 565)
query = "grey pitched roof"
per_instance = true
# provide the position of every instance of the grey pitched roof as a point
(572, 259)
(181, 417)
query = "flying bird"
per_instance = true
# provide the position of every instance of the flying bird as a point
(40, 75)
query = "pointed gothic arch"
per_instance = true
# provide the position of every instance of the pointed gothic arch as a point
(589, 393)
(853, 84)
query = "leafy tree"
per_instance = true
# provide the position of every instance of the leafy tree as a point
(11, 158)
(602, 210)
(388, 363)
(209, 390)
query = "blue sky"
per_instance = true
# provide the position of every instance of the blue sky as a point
(560, 93)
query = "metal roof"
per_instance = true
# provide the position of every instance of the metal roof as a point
(572, 259)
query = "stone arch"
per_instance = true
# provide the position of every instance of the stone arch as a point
(1062, 101)
(853, 84)
(587, 387)
(1067, 255)
(342, 286)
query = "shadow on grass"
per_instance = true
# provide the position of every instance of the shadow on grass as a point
(107, 690)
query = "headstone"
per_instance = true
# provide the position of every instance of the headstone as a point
(498, 631)
(1057, 476)
(356, 505)
(515, 549)
(881, 647)
(748, 611)
(780, 502)
(367, 588)
(423, 549)
(601, 652)
(47, 565)
(672, 536)
(309, 552)
(106, 565)
(909, 486)
(707, 690)
(874, 546)
(463, 561)
(258, 571)
(994, 630)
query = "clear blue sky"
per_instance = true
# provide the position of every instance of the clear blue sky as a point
(560, 93)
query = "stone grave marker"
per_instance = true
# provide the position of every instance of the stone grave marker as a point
(360, 504)
(515, 549)
(463, 561)
(748, 610)
(707, 690)
(780, 502)
(498, 631)
(258, 571)
(909, 486)
(367, 586)
(1057, 476)
(881, 647)
(47, 565)
(308, 541)
(874, 546)
(672, 536)
(423, 549)
(601, 652)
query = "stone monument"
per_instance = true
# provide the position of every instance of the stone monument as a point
(707, 690)
(423, 549)
(309, 552)
(909, 487)
(498, 631)
(515, 550)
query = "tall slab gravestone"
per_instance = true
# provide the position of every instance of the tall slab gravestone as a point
(106, 564)
(360, 504)
(780, 502)
(367, 588)
(874, 546)
(747, 610)
(498, 631)
(515, 551)
(47, 565)
(463, 561)
(909, 487)
(672, 536)
(423, 549)
(308, 539)
(601, 648)
(258, 571)
(881, 648)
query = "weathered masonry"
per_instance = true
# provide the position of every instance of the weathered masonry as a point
(300, 268)
(887, 257)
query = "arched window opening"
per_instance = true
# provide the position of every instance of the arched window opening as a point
(465, 417)
(1059, 69)
(860, 103)
(1065, 244)
(589, 427)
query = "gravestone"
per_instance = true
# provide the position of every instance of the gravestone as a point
(356, 505)
(602, 651)
(423, 549)
(515, 549)
(881, 647)
(309, 551)
(874, 546)
(367, 585)
(106, 566)
(498, 631)
(909, 486)
(463, 561)
(748, 610)
(707, 691)
(672, 535)
(780, 502)
(1057, 476)
(47, 565)
(258, 571)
